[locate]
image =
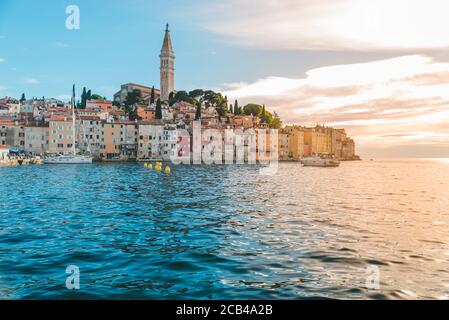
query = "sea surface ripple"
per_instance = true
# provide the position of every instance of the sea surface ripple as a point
(226, 232)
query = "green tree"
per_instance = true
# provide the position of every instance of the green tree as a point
(236, 108)
(23, 99)
(83, 99)
(132, 100)
(159, 109)
(263, 115)
(89, 95)
(198, 111)
(196, 94)
(96, 97)
(276, 122)
(152, 96)
(182, 96)
(253, 109)
(171, 99)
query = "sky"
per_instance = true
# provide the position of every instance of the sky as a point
(379, 69)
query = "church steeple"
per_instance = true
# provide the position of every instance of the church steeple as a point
(167, 66)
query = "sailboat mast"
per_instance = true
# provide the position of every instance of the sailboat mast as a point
(73, 122)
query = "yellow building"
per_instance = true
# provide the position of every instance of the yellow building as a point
(317, 140)
(291, 143)
(110, 140)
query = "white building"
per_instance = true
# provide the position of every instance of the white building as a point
(150, 141)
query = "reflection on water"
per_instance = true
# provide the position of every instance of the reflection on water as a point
(225, 232)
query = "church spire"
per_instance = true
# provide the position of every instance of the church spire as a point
(167, 45)
(167, 66)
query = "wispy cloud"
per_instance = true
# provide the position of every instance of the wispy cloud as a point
(332, 25)
(2, 60)
(385, 102)
(31, 81)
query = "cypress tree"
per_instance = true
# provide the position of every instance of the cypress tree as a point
(198, 111)
(236, 108)
(83, 98)
(23, 99)
(158, 109)
(152, 97)
(263, 117)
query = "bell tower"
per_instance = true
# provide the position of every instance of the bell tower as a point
(167, 66)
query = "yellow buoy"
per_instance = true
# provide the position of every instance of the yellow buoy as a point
(167, 169)
(150, 166)
(158, 168)
(145, 165)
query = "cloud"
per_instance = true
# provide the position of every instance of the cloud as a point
(359, 25)
(31, 81)
(385, 102)
(2, 60)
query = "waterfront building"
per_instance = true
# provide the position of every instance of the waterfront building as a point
(267, 145)
(284, 142)
(110, 140)
(291, 143)
(129, 133)
(317, 140)
(150, 140)
(348, 150)
(169, 141)
(12, 134)
(37, 139)
(338, 137)
(167, 57)
(60, 135)
(88, 133)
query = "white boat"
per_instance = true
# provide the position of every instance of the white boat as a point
(72, 158)
(68, 159)
(316, 161)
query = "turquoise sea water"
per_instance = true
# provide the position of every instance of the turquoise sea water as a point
(226, 232)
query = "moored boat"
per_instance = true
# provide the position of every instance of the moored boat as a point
(72, 158)
(68, 159)
(319, 161)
